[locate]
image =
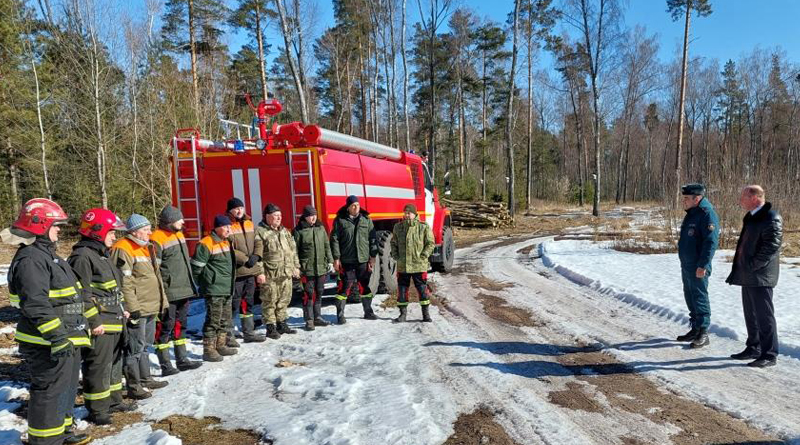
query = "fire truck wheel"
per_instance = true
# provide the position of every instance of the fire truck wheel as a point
(384, 275)
(448, 251)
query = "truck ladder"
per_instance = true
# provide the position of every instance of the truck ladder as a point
(301, 180)
(187, 198)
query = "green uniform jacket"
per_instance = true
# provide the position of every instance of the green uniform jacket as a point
(213, 266)
(353, 239)
(279, 257)
(412, 245)
(313, 248)
(244, 241)
(142, 287)
(176, 273)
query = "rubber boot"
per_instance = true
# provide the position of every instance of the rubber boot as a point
(122, 407)
(272, 332)
(689, 336)
(222, 348)
(283, 328)
(340, 304)
(210, 353)
(426, 313)
(230, 341)
(366, 303)
(701, 339)
(134, 384)
(402, 317)
(308, 316)
(73, 438)
(166, 364)
(318, 320)
(249, 330)
(182, 359)
(99, 419)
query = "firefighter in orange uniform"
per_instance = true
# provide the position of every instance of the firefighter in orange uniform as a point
(102, 364)
(52, 325)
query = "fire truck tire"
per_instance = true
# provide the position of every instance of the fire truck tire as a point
(384, 275)
(448, 251)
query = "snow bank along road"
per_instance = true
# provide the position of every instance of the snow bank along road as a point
(558, 363)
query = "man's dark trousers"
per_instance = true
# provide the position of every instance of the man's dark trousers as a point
(759, 317)
(695, 291)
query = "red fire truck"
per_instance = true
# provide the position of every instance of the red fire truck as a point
(293, 165)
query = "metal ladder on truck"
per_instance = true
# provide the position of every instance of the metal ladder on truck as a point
(187, 190)
(301, 180)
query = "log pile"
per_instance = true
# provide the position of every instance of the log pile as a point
(479, 214)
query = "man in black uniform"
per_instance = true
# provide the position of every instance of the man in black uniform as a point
(52, 325)
(102, 364)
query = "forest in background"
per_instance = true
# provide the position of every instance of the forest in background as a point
(89, 98)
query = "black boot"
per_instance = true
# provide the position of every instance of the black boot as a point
(689, 336)
(308, 316)
(272, 332)
(701, 339)
(283, 328)
(340, 304)
(99, 419)
(426, 314)
(73, 438)
(122, 407)
(402, 317)
(366, 303)
(747, 354)
(318, 320)
(166, 363)
(249, 330)
(182, 358)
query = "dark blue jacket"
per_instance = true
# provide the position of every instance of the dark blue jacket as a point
(699, 236)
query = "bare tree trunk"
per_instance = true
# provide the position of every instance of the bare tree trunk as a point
(193, 53)
(13, 171)
(512, 205)
(262, 63)
(483, 132)
(293, 66)
(681, 101)
(42, 144)
(529, 166)
(405, 78)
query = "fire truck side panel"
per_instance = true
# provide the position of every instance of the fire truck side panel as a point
(340, 177)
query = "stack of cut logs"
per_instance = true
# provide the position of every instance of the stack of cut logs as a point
(479, 214)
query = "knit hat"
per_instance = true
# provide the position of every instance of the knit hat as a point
(351, 199)
(136, 222)
(271, 208)
(169, 215)
(410, 208)
(233, 203)
(221, 220)
(309, 210)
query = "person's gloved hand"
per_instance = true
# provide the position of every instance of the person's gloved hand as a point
(62, 349)
(135, 315)
(331, 269)
(252, 261)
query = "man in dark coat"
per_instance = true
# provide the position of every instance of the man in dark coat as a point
(756, 268)
(696, 246)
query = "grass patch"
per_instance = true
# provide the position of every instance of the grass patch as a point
(206, 431)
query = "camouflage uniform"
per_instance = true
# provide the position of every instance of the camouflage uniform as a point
(280, 262)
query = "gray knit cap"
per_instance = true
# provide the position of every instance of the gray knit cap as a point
(136, 222)
(169, 215)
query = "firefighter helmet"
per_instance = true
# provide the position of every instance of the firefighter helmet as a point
(38, 215)
(96, 223)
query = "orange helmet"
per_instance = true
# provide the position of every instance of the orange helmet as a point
(38, 215)
(96, 223)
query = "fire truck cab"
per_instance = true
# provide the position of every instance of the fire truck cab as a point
(294, 165)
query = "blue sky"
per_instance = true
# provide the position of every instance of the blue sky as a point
(733, 29)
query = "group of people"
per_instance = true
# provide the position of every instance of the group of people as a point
(756, 268)
(98, 312)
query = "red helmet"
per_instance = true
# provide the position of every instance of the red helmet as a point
(38, 215)
(96, 223)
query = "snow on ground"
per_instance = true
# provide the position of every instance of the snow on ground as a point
(4, 274)
(653, 283)
(11, 425)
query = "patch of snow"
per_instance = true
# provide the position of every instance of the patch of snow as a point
(4, 274)
(653, 283)
(140, 433)
(7, 329)
(11, 425)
